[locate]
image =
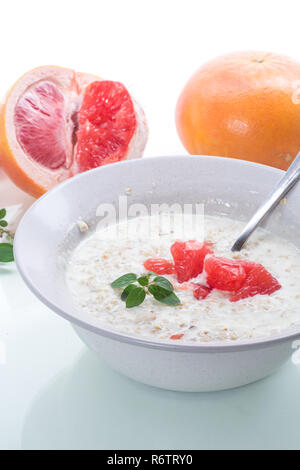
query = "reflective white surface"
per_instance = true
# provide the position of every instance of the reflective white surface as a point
(68, 398)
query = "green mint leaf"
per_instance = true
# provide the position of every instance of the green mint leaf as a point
(3, 223)
(143, 280)
(6, 253)
(126, 291)
(163, 282)
(163, 295)
(136, 297)
(157, 291)
(171, 299)
(124, 280)
(161, 289)
(2, 213)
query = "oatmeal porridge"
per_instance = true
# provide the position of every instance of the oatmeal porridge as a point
(103, 257)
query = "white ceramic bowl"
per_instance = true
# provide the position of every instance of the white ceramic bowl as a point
(225, 186)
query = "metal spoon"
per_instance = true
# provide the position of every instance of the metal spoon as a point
(286, 183)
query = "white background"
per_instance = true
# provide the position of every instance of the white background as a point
(54, 393)
(151, 46)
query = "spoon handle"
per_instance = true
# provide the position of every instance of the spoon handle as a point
(286, 183)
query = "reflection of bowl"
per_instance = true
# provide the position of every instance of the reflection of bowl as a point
(231, 187)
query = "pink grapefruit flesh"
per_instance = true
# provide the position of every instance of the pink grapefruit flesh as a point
(107, 123)
(39, 122)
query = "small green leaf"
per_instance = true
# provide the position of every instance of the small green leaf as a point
(171, 299)
(158, 292)
(163, 282)
(3, 223)
(126, 291)
(6, 253)
(163, 295)
(143, 280)
(2, 213)
(135, 297)
(124, 280)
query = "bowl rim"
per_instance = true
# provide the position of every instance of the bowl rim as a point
(288, 334)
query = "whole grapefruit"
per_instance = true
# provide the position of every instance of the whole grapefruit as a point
(243, 105)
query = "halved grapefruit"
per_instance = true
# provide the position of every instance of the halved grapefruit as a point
(56, 123)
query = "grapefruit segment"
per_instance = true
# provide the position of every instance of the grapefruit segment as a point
(39, 123)
(224, 274)
(189, 258)
(56, 123)
(159, 266)
(107, 124)
(258, 281)
(200, 291)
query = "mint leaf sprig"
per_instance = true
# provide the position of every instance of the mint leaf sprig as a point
(6, 249)
(136, 288)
